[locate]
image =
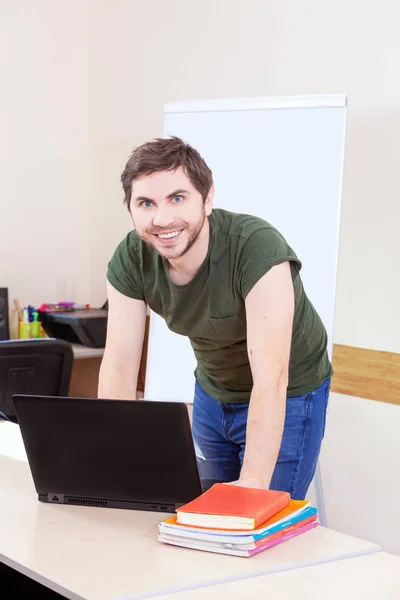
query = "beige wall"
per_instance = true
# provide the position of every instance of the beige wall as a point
(84, 82)
(44, 194)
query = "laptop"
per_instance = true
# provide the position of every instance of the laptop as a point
(135, 454)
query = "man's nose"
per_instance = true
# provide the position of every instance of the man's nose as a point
(162, 217)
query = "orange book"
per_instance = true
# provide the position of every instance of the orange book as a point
(292, 510)
(226, 506)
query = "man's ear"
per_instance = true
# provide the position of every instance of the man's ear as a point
(209, 201)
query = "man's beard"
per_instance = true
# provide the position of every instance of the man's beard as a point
(175, 253)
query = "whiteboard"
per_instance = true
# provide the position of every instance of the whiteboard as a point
(280, 159)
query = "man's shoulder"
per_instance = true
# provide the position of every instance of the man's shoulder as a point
(127, 266)
(131, 247)
(239, 225)
(248, 236)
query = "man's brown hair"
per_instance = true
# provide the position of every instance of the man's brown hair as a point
(166, 154)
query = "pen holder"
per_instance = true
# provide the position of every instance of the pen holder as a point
(35, 329)
(30, 330)
(24, 330)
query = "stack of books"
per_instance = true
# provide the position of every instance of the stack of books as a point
(240, 521)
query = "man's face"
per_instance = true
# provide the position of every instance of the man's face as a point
(168, 212)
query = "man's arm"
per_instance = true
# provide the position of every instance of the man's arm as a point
(269, 310)
(125, 332)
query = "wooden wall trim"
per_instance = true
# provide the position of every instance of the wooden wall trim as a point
(365, 373)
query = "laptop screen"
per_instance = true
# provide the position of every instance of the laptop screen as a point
(114, 450)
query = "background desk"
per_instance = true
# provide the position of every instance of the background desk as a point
(81, 351)
(86, 367)
(102, 554)
(85, 371)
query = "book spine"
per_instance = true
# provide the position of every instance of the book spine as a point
(308, 512)
(285, 531)
(283, 538)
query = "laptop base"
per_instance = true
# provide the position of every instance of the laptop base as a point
(102, 503)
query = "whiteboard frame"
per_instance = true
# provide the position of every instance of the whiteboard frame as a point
(277, 102)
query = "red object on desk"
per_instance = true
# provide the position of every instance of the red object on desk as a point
(249, 507)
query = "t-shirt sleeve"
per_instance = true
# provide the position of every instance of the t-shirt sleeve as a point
(123, 270)
(263, 250)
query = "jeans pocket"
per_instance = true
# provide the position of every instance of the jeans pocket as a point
(297, 414)
(326, 398)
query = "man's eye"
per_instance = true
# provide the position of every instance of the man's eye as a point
(146, 204)
(177, 199)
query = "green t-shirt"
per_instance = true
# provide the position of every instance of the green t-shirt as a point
(210, 309)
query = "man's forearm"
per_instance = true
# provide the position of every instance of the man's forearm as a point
(264, 431)
(117, 381)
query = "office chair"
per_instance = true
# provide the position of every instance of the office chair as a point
(36, 366)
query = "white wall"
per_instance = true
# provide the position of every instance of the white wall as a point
(44, 194)
(360, 467)
(83, 82)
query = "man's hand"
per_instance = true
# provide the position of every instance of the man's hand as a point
(249, 483)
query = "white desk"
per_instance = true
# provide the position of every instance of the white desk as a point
(11, 444)
(103, 554)
(81, 351)
(373, 577)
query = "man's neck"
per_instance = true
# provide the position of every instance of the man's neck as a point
(183, 269)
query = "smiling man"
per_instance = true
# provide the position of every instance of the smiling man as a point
(231, 283)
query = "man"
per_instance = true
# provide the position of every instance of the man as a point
(231, 283)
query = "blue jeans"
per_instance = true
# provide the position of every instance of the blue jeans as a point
(219, 432)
